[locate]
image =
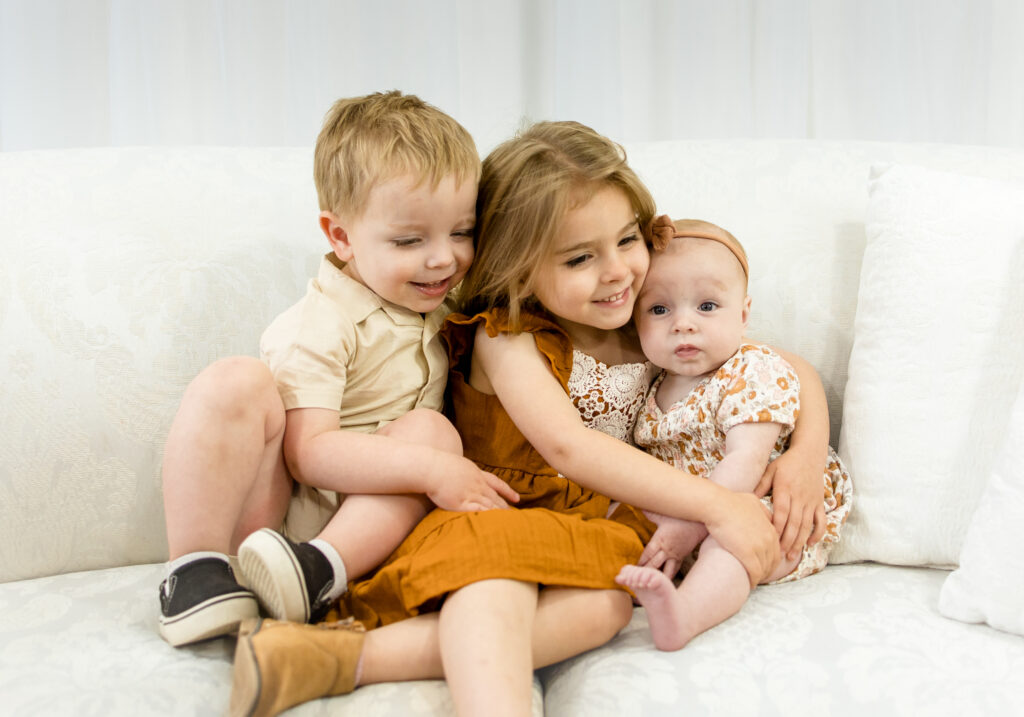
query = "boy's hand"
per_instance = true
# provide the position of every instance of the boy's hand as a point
(671, 543)
(797, 489)
(468, 488)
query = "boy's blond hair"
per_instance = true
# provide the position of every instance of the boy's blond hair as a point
(370, 139)
(527, 186)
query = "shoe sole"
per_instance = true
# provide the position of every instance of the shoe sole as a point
(245, 680)
(217, 616)
(275, 575)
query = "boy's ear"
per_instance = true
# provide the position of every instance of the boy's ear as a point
(337, 237)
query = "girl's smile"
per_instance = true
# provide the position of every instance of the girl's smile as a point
(591, 278)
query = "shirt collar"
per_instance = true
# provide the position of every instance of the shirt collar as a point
(360, 301)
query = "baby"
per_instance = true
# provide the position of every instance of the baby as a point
(721, 408)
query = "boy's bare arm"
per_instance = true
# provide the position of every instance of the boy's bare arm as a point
(321, 455)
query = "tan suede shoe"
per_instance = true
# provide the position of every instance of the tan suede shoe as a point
(281, 664)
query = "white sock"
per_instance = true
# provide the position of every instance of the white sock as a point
(192, 557)
(340, 574)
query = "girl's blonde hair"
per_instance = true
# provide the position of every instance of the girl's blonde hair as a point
(527, 185)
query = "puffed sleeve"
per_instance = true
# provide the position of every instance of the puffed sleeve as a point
(761, 387)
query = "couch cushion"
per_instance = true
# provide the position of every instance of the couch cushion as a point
(122, 274)
(87, 643)
(853, 640)
(936, 360)
(989, 584)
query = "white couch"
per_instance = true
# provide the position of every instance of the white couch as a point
(124, 271)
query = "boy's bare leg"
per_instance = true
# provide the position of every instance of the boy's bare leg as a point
(223, 476)
(367, 528)
(714, 590)
(223, 471)
(298, 581)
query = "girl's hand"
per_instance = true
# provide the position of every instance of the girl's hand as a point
(741, 525)
(797, 489)
(671, 543)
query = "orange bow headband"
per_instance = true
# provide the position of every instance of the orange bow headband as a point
(662, 230)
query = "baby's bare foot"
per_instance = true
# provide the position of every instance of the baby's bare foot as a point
(666, 611)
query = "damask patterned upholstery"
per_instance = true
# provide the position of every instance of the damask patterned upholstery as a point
(124, 271)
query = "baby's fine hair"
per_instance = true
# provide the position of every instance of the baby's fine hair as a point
(668, 233)
(371, 139)
(527, 186)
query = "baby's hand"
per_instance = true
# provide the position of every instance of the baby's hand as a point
(468, 488)
(671, 543)
(797, 490)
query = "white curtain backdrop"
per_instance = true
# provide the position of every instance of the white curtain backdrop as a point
(79, 73)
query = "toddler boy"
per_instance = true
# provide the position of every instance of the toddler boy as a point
(347, 396)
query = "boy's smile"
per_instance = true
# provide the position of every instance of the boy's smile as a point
(412, 244)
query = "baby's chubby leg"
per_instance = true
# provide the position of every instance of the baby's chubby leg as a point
(714, 589)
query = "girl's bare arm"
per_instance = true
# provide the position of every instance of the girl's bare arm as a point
(540, 408)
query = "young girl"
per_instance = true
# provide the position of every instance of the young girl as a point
(720, 409)
(542, 354)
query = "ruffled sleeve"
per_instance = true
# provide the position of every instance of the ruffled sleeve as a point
(760, 387)
(459, 331)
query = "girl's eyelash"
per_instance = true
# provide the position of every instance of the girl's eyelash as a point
(576, 261)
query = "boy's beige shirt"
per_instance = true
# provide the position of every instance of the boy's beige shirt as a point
(343, 348)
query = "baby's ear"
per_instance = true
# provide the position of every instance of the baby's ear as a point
(337, 237)
(746, 311)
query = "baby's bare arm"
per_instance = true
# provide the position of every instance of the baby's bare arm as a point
(748, 446)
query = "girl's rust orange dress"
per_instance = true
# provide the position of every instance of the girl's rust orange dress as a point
(559, 534)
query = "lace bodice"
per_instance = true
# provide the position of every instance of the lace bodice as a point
(609, 397)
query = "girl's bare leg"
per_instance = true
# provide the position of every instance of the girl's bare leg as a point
(223, 471)
(485, 636)
(568, 622)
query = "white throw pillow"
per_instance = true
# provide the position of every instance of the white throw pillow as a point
(936, 359)
(990, 581)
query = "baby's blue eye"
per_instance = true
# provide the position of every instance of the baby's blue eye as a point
(658, 310)
(708, 306)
